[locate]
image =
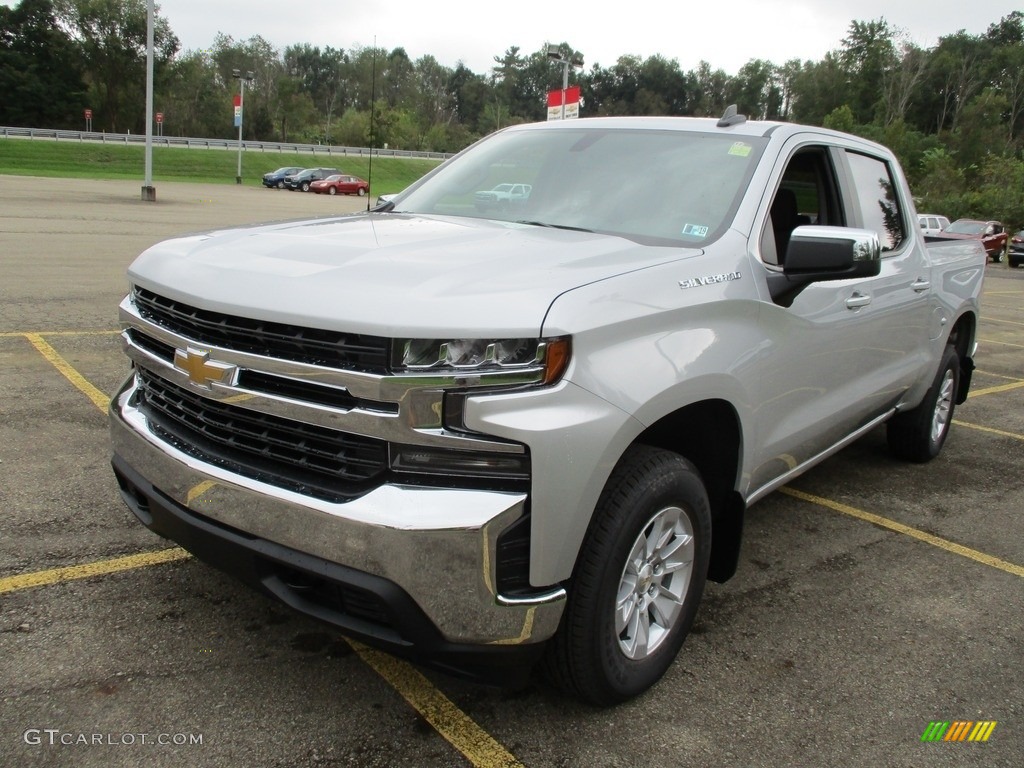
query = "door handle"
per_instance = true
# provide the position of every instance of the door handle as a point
(920, 285)
(857, 300)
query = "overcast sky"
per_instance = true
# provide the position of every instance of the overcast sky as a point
(725, 33)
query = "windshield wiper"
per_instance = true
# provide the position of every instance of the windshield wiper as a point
(553, 226)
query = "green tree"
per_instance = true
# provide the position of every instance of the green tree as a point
(819, 88)
(708, 91)
(40, 75)
(956, 72)
(868, 56)
(756, 90)
(323, 74)
(841, 119)
(192, 98)
(470, 93)
(901, 80)
(262, 108)
(111, 39)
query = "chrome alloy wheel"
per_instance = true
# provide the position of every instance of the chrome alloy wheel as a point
(654, 581)
(943, 406)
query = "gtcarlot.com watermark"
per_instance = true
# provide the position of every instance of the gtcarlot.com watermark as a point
(55, 737)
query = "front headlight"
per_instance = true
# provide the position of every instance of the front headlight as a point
(543, 360)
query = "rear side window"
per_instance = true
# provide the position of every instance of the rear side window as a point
(880, 206)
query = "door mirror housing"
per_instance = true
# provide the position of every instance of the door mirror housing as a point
(818, 254)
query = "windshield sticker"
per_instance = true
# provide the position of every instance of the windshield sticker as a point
(694, 230)
(740, 149)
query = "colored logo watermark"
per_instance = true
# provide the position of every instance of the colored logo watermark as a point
(958, 730)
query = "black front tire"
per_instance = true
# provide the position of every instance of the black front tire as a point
(638, 580)
(919, 435)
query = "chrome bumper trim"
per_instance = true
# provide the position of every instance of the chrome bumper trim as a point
(439, 545)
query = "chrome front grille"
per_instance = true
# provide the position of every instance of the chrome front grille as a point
(357, 352)
(290, 454)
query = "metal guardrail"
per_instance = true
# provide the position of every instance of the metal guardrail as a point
(180, 141)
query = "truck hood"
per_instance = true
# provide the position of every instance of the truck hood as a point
(391, 274)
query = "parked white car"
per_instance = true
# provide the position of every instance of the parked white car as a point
(931, 224)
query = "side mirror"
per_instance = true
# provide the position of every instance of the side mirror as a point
(818, 254)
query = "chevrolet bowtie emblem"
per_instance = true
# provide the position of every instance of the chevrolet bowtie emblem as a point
(201, 369)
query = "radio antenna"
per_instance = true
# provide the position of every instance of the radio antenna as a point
(373, 97)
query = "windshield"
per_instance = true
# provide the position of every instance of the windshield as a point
(654, 186)
(966, 227)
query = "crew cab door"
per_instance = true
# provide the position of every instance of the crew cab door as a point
(842, 353)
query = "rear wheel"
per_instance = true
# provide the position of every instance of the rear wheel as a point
(638, 581)
(919, 435)
(305, 186)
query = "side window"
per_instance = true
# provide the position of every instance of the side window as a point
(806, 194)
(879, 204)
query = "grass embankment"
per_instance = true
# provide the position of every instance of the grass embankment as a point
(72, 159)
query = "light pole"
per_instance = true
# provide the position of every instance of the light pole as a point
(576, 60)
(148, 190)
(242, 80)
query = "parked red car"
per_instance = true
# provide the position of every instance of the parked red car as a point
(991, 233)
(341, 184)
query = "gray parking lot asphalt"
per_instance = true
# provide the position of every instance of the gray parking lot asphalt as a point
(874, 599)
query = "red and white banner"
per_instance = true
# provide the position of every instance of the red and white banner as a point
(564, 104)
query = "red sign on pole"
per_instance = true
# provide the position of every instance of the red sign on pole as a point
(159, 117)
(564, 104)
(88, 114)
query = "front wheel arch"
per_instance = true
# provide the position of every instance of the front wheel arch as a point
(637, 582)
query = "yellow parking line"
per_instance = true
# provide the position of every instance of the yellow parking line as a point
(99, 399)
(1000, 320)
(87, 570)
(997, 388)
(478, 746)
(990, 430)
(892, 525)
(1004, 343)
(980, 372)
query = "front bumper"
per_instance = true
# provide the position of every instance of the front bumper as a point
(422, 558)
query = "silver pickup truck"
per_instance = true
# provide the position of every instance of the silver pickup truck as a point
(484, 440)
